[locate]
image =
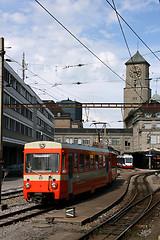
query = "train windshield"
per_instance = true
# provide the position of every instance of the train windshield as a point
(128, 160)
(42, 162)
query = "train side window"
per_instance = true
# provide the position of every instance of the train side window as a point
(64, 165)
(107, 163)
(91, 162)
(96, 162)
(87, 162)
(109, 158)
(100, 162)
(75, 162)
(81, 162)
(104, 162)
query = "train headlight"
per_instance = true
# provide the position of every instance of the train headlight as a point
(54, 185)
(27, 185)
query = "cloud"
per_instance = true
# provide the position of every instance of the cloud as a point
(49, 48)
(18, 18)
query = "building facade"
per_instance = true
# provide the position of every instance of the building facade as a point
(120, 139)
(22, 124)
(74, 109)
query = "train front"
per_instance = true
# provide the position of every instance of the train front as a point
(42, 171)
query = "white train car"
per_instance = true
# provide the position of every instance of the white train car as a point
(125, 161)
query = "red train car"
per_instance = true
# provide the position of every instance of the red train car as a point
(54, 171)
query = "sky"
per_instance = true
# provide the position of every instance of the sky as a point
(80, 41)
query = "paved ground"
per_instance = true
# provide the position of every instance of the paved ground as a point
(12, 182)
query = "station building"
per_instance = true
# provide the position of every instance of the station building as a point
(141, 133)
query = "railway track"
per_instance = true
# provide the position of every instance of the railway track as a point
(12, 193)
(22, 214)
(142, 201)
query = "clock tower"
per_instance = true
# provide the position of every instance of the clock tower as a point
(137, 87)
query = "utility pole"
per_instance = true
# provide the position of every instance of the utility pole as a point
(1, 108)
(23, 67)
(105, 132)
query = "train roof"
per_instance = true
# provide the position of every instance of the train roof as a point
(50, 144)
(125, 155)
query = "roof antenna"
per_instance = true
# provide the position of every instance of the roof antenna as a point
(137, 46)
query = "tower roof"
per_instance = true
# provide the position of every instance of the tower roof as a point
(137, 58)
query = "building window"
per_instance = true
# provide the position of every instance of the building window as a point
(18, 127)
(58, 139)
(69, 140)
(30, 132)
(158, 139)
(12, 124)
(127, 142)
(158, 115)
(153, 139)
(6, 99)
(6, 122)
(109, 141)
(147, 125)
(22, 129)
(115, 141)
(148, 115)
(134, 98)
(79, 141)
(86, 141)
(158, 125)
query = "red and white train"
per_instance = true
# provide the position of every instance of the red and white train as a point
(125, 161)
(54, 171)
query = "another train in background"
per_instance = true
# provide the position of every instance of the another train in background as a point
(125, 161)
(54, 171)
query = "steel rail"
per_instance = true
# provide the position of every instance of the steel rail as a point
(18, 217)
(120, 213)
(139, 218)
(11, 194)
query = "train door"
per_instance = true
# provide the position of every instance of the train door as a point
(109, 169)
(70, 175)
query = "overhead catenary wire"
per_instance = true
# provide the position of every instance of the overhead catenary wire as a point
(125, 39)
(122, 30)
(78, 40)
(52, 85)
(133, 30)
(87, 48)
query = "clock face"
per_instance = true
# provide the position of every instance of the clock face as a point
(135, 72)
